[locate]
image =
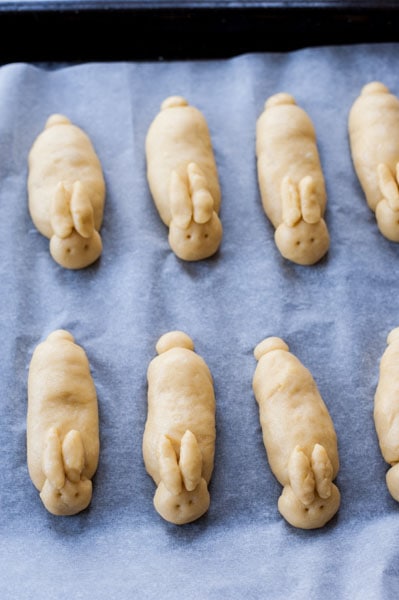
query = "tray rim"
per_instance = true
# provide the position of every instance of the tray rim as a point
(168, 30)
(345, 6)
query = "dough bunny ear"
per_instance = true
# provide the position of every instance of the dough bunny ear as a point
(323, 471)
(311, 212)
(291, 208)
(73, 454)
(82, 210)
(187, 472)
(63, 460)
(190, 462)
(301, 476)
(388, 186)
(53, 467)
(168, 467)
(60, 215)
(299, 202)
(180, 202)
(203, 204)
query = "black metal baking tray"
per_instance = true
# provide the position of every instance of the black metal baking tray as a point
(76, 31)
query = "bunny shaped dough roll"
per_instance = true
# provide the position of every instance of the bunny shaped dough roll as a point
(66, 191)
(179, 435)
(386, 410)
(291, 180)
(374, 139)
(62, 424)
(298, 434)
(183, 179)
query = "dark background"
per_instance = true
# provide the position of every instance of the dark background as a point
(154, 30)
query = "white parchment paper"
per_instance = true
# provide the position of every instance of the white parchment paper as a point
(335, 316)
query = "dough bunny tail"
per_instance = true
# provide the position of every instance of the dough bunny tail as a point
(173, 102)
(174, 339)
(392, 480)
(387, 210)
(374, 87)
(60, 334)
(57, 119)
(269, 344)
(278, 99)
(182, 495)
(302, 236)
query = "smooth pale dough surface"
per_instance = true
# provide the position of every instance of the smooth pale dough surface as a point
(295, 420)
(180, 399)
(374, 140)
(287, 155)
(183, 178)
(386, 410)
(62, 398)
(65, 173)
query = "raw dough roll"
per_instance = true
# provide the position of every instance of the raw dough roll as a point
(291, 181)
(386, 410)
(298, 434)
(62, 424)
(183, 179)
(179, 435)
(66, 191)
(374, 140)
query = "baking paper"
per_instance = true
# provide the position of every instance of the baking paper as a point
(335, 316)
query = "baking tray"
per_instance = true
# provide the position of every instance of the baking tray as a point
(334, 316)
(157, 29)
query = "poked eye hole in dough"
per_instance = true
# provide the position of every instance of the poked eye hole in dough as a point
(198, 240)
(75, 252)
(197, 232)
(304, 243)
(184, 507)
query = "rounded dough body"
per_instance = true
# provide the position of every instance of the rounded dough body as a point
(291, 180)
(62, 161)
(386, 410)
(62, 399)
(183, 179)
(180, 399)
(295, 421)
(374, 140)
